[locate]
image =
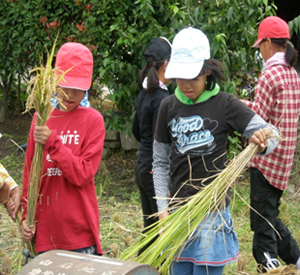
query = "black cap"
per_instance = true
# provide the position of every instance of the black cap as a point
(158, 49)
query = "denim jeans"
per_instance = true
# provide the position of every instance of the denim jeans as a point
(187, 268)
(91, 250)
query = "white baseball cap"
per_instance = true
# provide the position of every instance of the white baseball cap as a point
(190, 48)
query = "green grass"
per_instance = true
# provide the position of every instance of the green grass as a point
(121, 215)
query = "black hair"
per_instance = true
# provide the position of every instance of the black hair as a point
(217, 73)
(151, 71)
(291, 54)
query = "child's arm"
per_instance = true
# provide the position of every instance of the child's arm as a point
(135, 128)
(79, 170)
(4, 191)
(263, 99)
(161, 170)
(13, 205)
(256, 130)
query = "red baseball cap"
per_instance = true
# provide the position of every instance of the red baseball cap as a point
(80, 59)
(272, 27)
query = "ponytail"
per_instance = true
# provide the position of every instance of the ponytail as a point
(291, 54)
(142, 76)
(152, 80)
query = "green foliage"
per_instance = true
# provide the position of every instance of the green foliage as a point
(294, 25)
(231, 27)
(118, 32)
(13, 98)
(234, 145)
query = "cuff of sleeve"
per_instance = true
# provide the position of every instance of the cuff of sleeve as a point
(13, 186)
(162, 204)
(49, 141)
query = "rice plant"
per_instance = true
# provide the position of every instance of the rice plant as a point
(41, 88)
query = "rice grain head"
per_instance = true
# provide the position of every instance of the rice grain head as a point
(114, 250)
(6, 264)
(41, 88)
(128, 240)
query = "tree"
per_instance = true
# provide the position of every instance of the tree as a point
(118, 32)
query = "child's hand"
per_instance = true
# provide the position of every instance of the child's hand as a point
(163, 215)
(13, 206)
(27, 232)
(41, 134)
(260, 138)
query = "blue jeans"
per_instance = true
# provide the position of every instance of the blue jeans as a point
(187, 268)
(91, 250)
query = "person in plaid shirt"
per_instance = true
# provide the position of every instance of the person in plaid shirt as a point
(277, 101)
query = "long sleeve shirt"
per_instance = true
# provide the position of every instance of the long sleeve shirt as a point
(67, 211)
(277, 101)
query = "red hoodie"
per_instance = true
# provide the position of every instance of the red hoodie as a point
(67, 212)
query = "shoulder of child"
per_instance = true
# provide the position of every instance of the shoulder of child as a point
(94, 112)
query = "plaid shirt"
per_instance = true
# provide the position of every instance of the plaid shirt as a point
(277, 101)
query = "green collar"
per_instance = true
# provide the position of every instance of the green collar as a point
(203, 97)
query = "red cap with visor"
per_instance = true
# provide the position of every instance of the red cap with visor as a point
(272, 27)
(79, 59)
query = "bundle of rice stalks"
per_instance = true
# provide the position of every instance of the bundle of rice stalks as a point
(40, 89)
(178, 228)
(281, 270)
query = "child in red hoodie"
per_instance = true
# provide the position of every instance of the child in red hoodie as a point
(67, 214)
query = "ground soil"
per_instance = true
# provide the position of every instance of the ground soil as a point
(118, 168)
(14, 131)
(119, 204)
(115, 185)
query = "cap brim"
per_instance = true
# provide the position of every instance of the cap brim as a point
(256, 44)
(183, 70)
(74, 83)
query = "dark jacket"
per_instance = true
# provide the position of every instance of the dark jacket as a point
(144, 121)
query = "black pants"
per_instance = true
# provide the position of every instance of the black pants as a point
(265, 199)
(144, 181)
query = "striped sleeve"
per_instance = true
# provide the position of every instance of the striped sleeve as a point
(257, 123)
(161, 170)
(7, 178)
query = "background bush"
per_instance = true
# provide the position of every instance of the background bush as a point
(117, 33)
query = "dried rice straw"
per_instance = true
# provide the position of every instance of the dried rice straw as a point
(41, 89)
(178, 228)
(280, 270)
